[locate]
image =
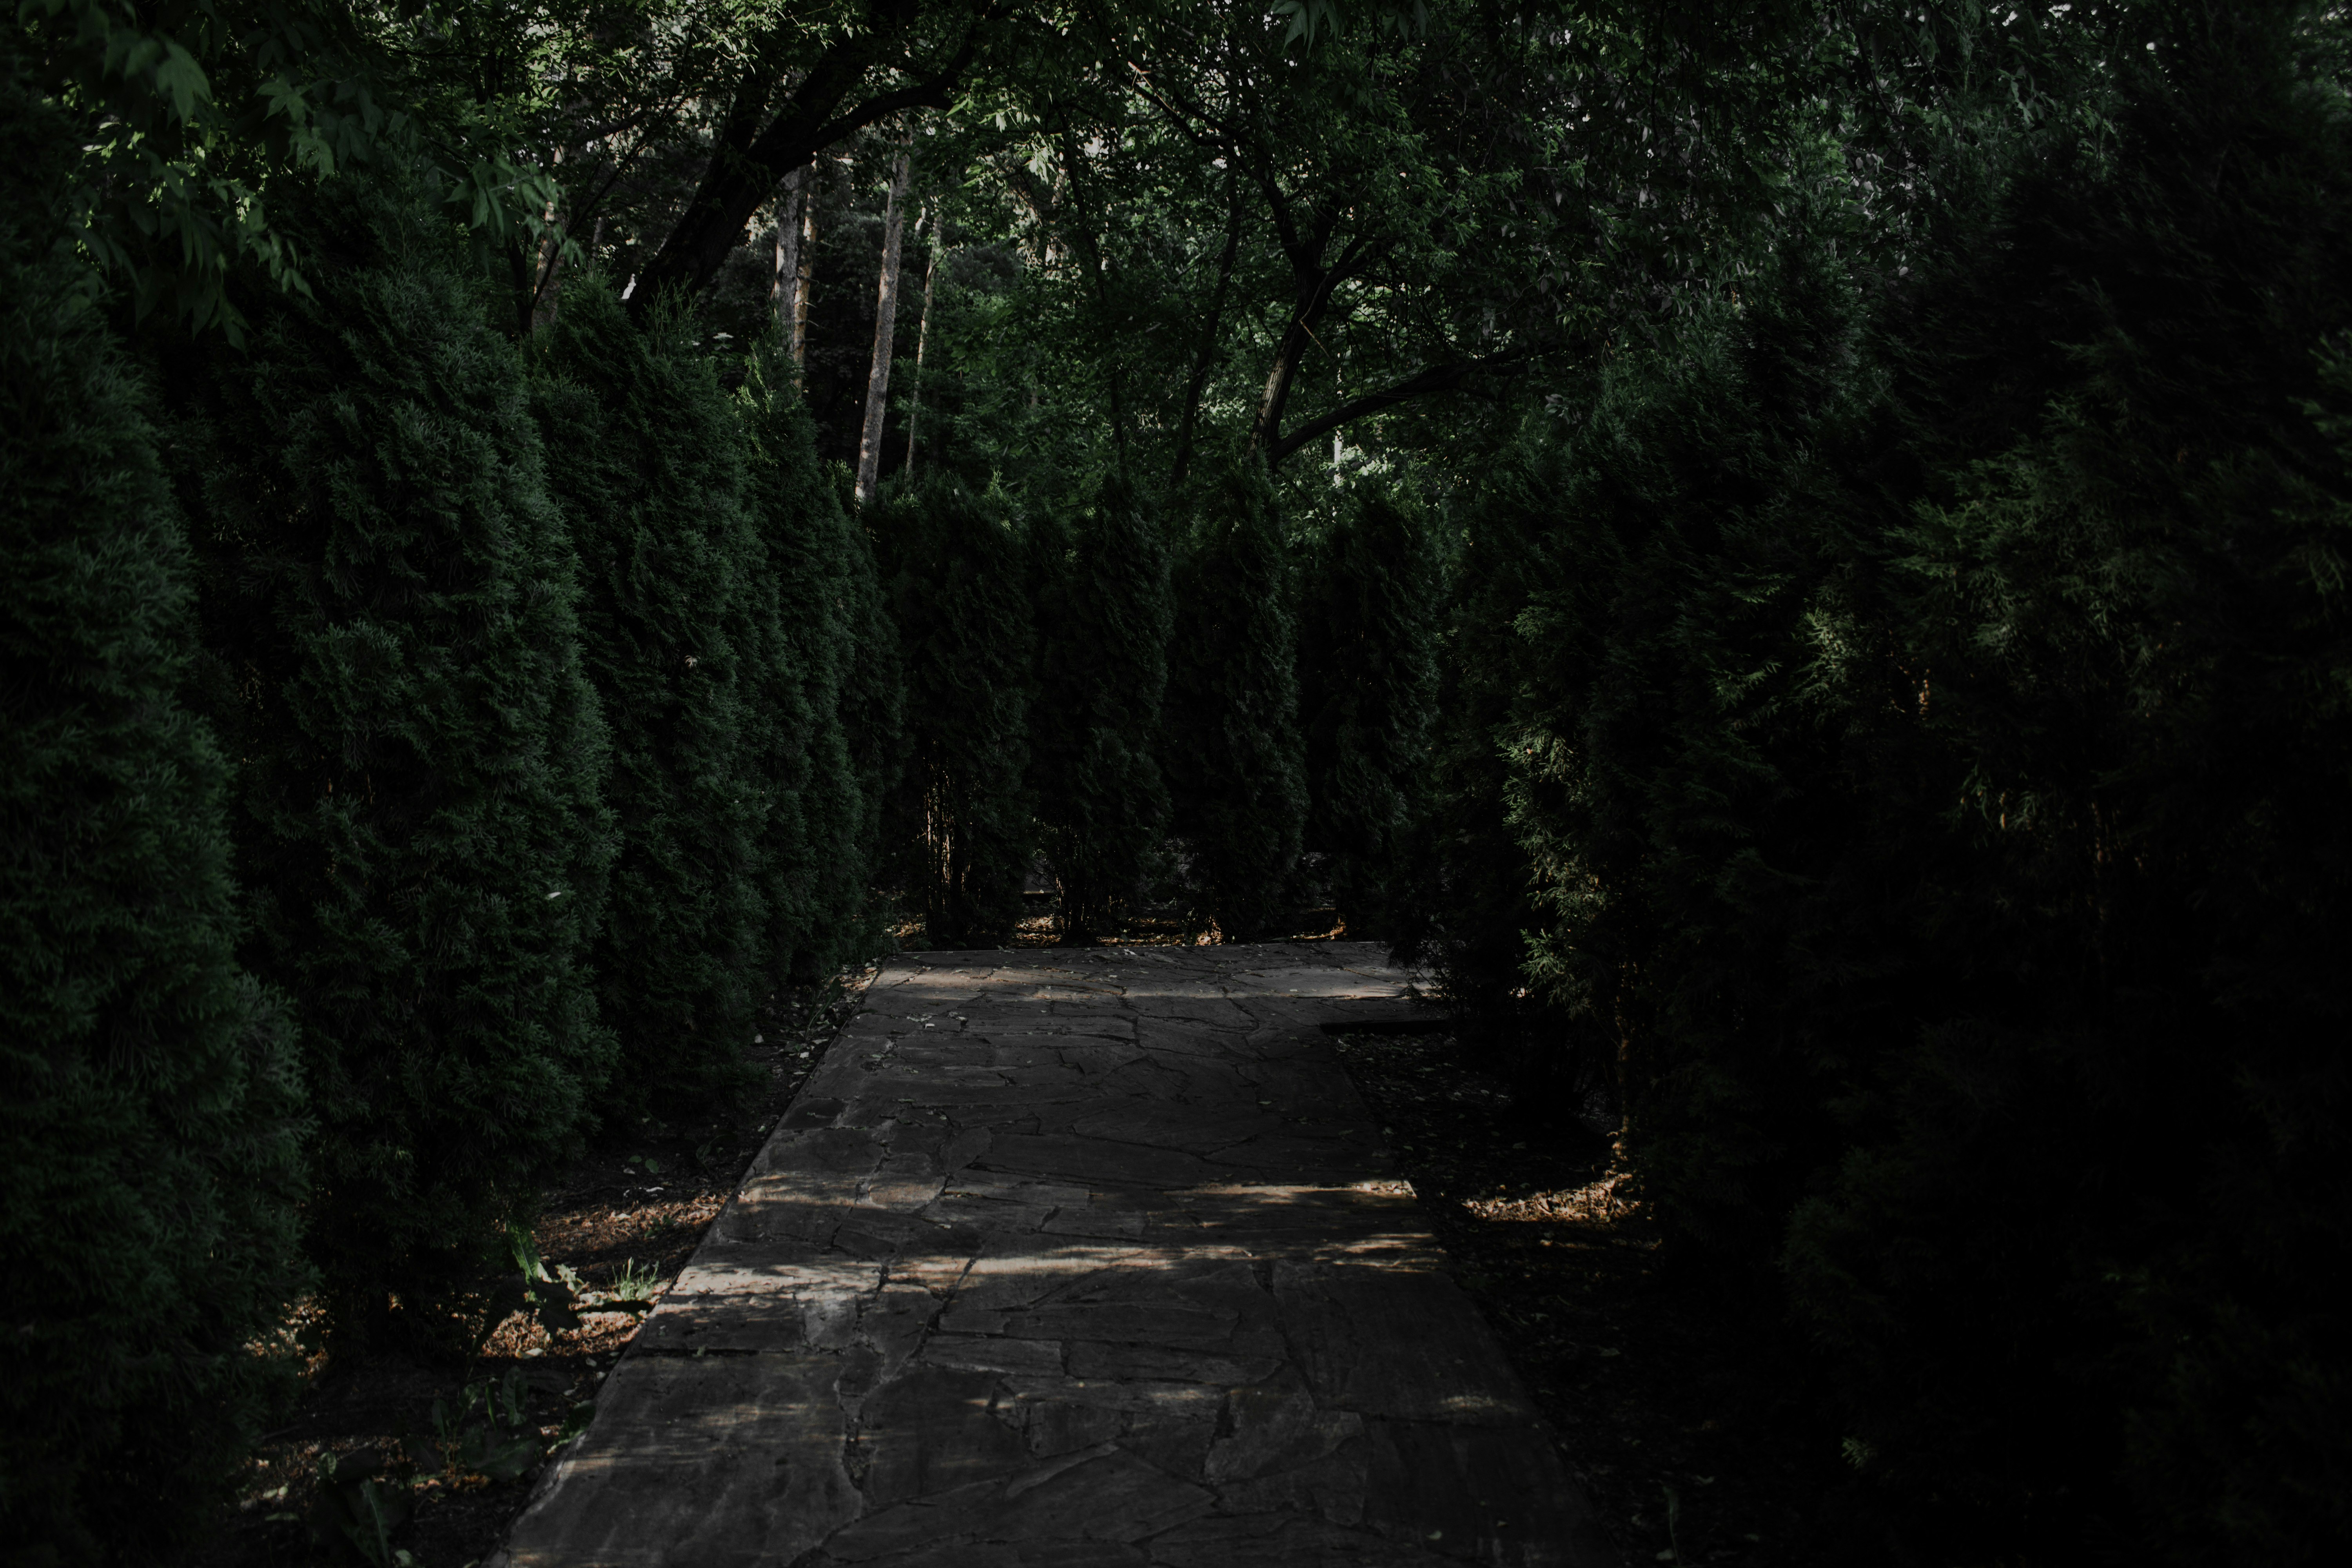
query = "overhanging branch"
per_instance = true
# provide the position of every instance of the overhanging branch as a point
(1435, 379)
(748, 163)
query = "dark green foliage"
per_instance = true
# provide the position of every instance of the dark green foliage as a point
(1103, 630)
(388, 608)
(953, 566)
(2128, 608)
(1367, 679)
(832, 774)
(1233, 754)
(150, 1100)
(1925, 725)
(874, 685)
(678, 618)
(1471, 889)
(1663, 760)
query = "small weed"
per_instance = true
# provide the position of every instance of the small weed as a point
(491, 1435)
(631, 1289)
(356, 1513)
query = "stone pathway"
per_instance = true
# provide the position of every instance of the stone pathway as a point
(1069, 1257)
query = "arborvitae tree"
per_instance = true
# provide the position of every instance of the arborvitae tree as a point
(391, 649)
(1104, 623)
(1470, 888)
(1366, 679)
(953, 562)
(2122, 602)
(873, 695)
(1926, 732)
(150, 1100)
(1233, 754)
(678, 618)
(819, 856)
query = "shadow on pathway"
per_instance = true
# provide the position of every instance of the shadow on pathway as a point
(1066, 1259)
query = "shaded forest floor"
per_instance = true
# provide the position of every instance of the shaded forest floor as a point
(1688, 1414)
(1684, 1417)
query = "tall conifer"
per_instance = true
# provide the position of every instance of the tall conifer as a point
(819, 853)
(388, 607)
(680, 627)
(1920, 700)
(1234, 763)
(150, 1100)
(1367, 679)
(954, 564)
(1103, 629)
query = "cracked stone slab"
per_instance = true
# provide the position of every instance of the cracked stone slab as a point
(1071, 1259)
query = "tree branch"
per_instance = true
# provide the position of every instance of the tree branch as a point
(1435, 379)
(1316, 286)
(1176, 117)
(745, 169)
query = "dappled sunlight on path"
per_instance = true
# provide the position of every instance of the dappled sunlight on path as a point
(1072, 1257)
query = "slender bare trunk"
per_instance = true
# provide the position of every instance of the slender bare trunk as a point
(885, 322)
(784, 288)
(938, 219)
(807, 274)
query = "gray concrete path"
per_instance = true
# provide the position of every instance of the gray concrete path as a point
(1069, 1257)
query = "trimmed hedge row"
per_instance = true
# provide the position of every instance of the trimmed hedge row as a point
(563, 706)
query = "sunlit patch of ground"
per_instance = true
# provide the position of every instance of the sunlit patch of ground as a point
(1160, 925)
(1603, 1202)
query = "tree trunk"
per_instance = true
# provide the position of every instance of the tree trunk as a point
(784, 290)
(1266, 428)
(1316, 288)
(767, 131)
(923, 327)
(885, 320)
(807, 272)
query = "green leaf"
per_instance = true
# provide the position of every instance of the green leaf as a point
(183, 79)
(525, 1248)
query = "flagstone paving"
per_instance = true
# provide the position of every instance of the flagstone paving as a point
(1069, 1257)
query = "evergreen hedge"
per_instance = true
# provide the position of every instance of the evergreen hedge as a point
(1471, 889)
(1367, 676)
(1234, 758)
(2125, 611)
(1103, 629)
(680, 620)
(955, 566)
(149, 1099)
(1923, 725)
(393, 652)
